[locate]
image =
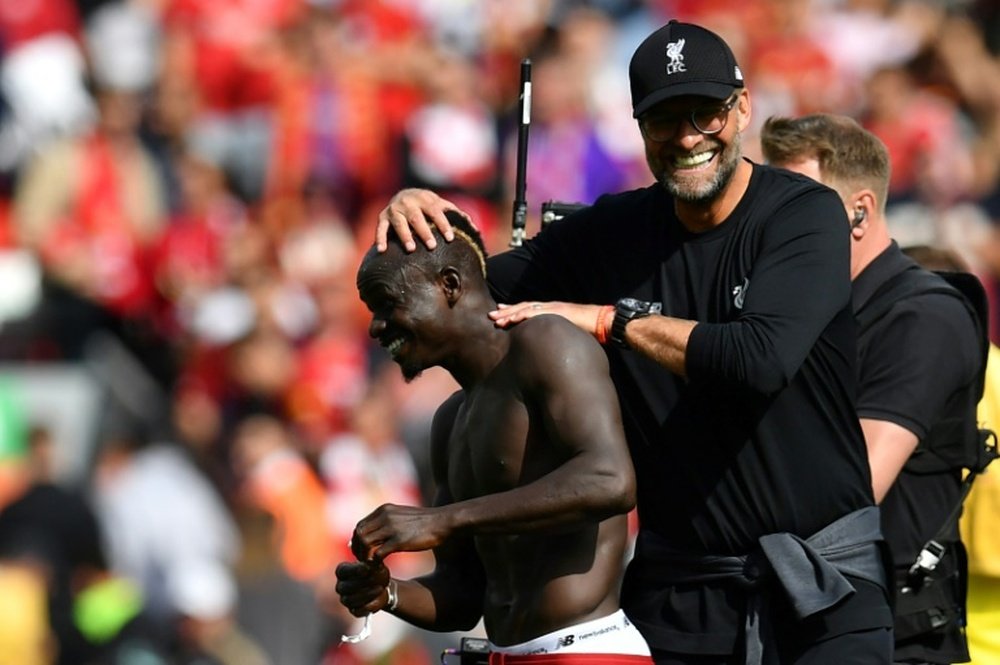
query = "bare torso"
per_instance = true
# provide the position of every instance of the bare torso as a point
(536, 582)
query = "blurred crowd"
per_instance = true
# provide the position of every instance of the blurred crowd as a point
(196, 180)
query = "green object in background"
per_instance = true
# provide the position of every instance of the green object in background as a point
(13, 430)
(101, 610)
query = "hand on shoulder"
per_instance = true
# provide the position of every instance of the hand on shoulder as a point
(587, 318)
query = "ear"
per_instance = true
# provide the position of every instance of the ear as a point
(450, 280)
(743, 110)
(862, 210)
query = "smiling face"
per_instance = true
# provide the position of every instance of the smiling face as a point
(693, 166)
(426, 305)
(408, 310)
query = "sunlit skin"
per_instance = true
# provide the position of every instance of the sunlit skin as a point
(677, 163)
(406, 310)
(533, 475)
(382, 288)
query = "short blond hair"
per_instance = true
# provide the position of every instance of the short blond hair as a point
(850, 157)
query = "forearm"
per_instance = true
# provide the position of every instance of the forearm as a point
(663, 339)
(432, 604)
(574, 493)
(889, 447)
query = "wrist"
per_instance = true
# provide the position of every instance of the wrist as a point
(392, 593)
(602, 327)
(626, 311)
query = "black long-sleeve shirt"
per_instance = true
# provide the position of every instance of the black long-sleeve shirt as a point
(762, 437)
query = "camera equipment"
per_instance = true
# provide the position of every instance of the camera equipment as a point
(520, 204)
(551, 210)
(555, 210)
(471, 651)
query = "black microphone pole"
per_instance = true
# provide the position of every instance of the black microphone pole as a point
(520, 204)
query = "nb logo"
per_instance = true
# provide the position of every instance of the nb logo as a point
(566, 641)
(676, 63)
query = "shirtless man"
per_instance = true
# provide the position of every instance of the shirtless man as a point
(536, 421)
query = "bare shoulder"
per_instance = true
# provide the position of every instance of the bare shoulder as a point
(541, 332)
(550, 343)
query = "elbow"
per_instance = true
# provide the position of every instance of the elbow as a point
(617, 493)
(749, 356)
(768, 377)
(627, 494)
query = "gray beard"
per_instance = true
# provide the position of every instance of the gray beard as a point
(728, 160)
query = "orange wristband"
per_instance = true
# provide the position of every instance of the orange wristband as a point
(601, 327)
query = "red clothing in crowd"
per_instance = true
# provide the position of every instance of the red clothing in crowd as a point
(228, 38)
(98, 231)
(24, 20)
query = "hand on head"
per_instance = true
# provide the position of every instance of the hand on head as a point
(411, 212)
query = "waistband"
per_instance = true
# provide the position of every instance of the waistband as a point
(611, 635)
(568, 659)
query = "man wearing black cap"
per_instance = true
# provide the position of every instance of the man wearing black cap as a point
(723, 292)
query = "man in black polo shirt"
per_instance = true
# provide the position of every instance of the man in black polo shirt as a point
(920, 358)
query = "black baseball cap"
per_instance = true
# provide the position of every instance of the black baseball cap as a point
(681, 59)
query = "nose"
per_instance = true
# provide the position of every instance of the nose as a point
(686, 135)
(376, 327)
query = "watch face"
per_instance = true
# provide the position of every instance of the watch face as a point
(633, 304)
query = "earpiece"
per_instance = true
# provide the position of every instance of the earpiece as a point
(859, 216)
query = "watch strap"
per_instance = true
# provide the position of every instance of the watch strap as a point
(626, 310)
